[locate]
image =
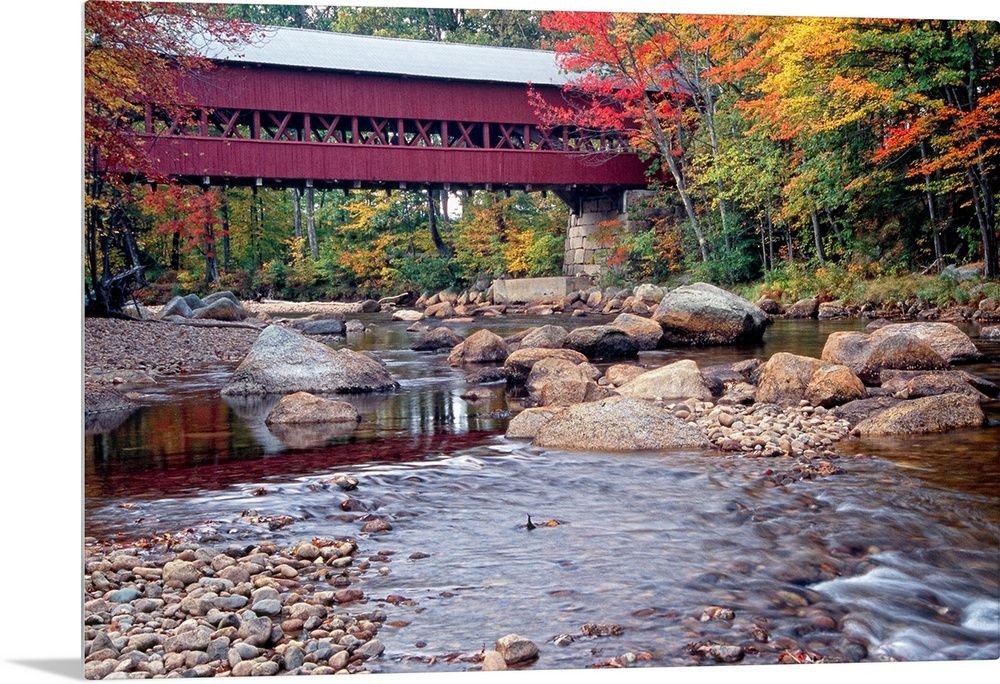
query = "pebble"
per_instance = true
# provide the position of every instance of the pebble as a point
(179, 617)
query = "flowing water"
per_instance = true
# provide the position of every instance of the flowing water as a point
(896, 558)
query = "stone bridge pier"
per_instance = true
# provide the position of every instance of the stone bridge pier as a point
(591, 216)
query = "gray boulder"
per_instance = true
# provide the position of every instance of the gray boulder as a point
(926, 415)
(602, 342)
(220, 309)
(437, 339)
(703, 314)
(303, 407)
(321, 327)
(618, 424)
(547, 336)
(681, 380)
(223, 294)
(645, 331)
(869, 355)
(520, 362)
(804, 308)
(482, 346)
(283, 361)
(946, 339)
(177, 306)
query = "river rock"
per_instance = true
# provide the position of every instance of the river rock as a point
(283, 361)
(302, 407)
(833, 385)
(520, 362)
(526, 423)
(482, 346)
(407, 315)
(769, 306)
(515, 648)
(859, 410)
(867, 355)
(990, 332)
(914, 385)
(618, 424)
(602, 342)
(559, 382)
(221, 309)
(926, 415)
(649, 294)
(620, 373)
(703, 314)
(177, 306)
(321, 327)
(804, 308)
(547, 336)
(831, 310)
(783, 379)
(439, 338)
(680, 380)
(645, 331)
(946, 339)
(493, 661)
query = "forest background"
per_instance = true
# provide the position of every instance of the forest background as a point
(855, 158)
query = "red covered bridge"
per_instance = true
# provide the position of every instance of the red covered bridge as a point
(316, 109)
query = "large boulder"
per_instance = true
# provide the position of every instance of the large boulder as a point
(914, 385)
(953, 345)
(547, 336)
(787, 379)
(783, 379)
(303, 407)
(926, 415)
(526, 423)
(558, 382)
(868, 355)
(703, 314)
(177, 306)
(859, 410)
(804, 308)
(646, 332)
(681, 380)
(437, 339)
(833, 385)
(220, 309)
(282, 361)
(321, 327)
(482, 346)
(602, 342)
(618, 424)
(520, 362)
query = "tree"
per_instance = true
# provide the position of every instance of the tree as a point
(134, 53)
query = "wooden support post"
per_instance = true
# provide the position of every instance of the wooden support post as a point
(306, 128)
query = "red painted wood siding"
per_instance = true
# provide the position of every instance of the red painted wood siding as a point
(367, 94)
(297, 161)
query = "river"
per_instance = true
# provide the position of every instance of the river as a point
(895, 558)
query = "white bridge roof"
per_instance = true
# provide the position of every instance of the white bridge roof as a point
(303, 48)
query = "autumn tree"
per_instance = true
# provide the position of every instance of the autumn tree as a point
(134, 53)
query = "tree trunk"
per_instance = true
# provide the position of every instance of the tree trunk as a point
(225, 231)
(311, 223)
(439, 244)
(817, 236)
(983, 201)
(211, 264)
(297, 212)
(770, 237)
(932, 210)
(666, 154)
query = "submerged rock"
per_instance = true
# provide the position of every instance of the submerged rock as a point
(303, 407)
